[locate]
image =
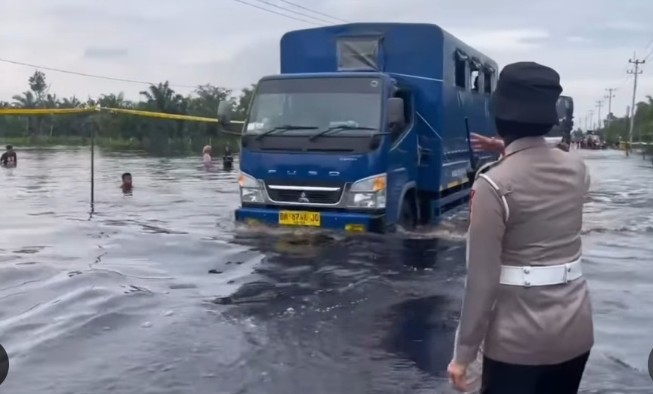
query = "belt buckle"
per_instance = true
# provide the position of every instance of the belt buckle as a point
(526, 270)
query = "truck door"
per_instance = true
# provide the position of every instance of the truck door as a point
(402, 157)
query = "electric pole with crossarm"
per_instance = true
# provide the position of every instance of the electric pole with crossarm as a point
(636, 71)
(610, 96)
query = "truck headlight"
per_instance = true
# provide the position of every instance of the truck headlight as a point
(368, 192)
(250, 189)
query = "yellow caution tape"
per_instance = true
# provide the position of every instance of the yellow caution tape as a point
(160, 115)
(84, 110)
(45, 111)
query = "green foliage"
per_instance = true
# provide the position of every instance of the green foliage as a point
(617, 128)
(122, 131)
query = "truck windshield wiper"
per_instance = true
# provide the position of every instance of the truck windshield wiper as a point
(284, 128)
(338, 129)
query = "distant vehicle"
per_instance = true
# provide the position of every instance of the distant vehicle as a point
(593, 141)
(366, 128)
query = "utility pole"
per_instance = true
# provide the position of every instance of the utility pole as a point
(591, 120)
(587, 122)
(610, 96)
(635, 73)
(599, 104)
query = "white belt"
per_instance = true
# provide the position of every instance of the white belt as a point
(547, 275)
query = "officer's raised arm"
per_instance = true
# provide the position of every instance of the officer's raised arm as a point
(485, 237)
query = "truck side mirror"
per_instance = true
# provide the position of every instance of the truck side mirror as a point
(225, 111)
(396, 116)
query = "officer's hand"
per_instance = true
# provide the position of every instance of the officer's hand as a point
(481, 143)
(457, 374)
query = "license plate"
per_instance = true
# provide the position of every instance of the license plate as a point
(296, 218)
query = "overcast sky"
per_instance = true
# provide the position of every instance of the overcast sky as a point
(227, 43)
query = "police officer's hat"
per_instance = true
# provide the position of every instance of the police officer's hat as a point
(527, 92)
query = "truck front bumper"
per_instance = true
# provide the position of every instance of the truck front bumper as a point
(347, 221)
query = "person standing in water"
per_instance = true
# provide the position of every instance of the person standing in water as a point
(227, 158)
(127, 185)
(526, 302)
(206, 154)
(9, 158)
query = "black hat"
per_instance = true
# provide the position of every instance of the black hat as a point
(527, 92)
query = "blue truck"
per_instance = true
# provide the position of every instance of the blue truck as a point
(366, 128)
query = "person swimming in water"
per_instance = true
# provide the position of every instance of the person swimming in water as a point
(127, 185)
(9, 158)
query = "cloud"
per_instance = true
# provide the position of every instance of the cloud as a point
(103, 53)
(233, 44)
(578, 39)
(512, 41)
(628, 25)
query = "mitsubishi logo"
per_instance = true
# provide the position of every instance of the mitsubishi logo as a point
(303, 198)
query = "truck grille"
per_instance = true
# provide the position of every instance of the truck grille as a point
(305, 196)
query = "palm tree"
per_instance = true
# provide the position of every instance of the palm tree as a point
(113, 101)
(51, 101)
(162, 98)
(26, 100)
(72, 102)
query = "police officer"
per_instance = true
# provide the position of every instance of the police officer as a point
(525, 299)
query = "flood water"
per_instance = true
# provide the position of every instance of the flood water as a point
(159, 292)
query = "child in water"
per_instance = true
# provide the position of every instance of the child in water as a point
(9, 158)
(126, 186)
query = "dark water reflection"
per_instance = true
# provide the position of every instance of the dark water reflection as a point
(162, 293)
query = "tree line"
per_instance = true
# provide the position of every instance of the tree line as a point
(122, 130)
(615, 129)
(163, 135)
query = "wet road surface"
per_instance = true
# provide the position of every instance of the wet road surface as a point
(161, 293)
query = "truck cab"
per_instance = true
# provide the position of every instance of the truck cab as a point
(366, 128)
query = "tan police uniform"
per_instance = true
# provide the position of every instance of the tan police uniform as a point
(525, 216)
(526, 301)
(475, 367)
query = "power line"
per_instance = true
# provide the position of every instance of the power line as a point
(59, 70)
(313, 10)
(276, 13)
(127, 80)
(649, 44)
(271, 4)
(649, 54)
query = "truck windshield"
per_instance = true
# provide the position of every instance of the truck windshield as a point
(316, 104)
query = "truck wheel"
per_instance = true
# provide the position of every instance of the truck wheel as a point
(407, 215)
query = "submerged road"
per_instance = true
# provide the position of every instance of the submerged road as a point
(160, 293)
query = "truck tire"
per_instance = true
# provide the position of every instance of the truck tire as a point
(407, 214)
